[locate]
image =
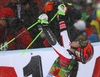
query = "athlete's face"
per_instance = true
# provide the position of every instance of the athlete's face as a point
(75, 44)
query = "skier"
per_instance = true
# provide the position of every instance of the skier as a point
(71, 16)
(68, 54)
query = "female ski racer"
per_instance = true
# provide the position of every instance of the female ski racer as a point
(68, 54)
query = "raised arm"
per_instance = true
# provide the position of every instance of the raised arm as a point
(62, 26)
(61, 51)
(64, 35)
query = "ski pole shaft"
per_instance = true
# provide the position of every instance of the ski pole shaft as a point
(8, 43)
(33, 25)
(31, 42)
(19, 34)
(53, 17)
(38, 35)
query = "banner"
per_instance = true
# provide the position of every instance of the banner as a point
(43, 59)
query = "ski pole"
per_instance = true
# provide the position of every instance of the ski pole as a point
(38, 35)
(53, 17)
(31, 42)
(20, 34)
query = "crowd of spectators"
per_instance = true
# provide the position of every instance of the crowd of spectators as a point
(92, 32)
(81, 20)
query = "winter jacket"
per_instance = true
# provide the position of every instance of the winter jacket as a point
(93, 38)
(23, 40)
(8, 33)
(19, 43)
(5, 38)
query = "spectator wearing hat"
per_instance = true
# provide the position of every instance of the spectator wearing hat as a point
(9, 30)
(80, 29)
(94, 37)
(5, 36)
(28, 13)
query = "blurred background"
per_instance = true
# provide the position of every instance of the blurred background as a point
(82, 21)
